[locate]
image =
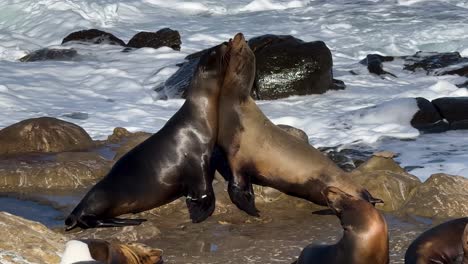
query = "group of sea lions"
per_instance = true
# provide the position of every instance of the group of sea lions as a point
(220, 128)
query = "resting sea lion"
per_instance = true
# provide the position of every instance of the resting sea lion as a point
(260, 152)
(172, 163)
(365, 234)
(103, 252)
(446, 243)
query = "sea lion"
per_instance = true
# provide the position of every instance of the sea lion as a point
(445, 243)
(365, 233)
(260, 152)
(172, 163)
(104, 252)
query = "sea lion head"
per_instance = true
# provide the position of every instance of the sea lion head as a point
(240, 74)
(209, 75)
(352, 211)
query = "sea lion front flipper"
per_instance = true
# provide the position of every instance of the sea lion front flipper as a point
(202, 207)
(243, 197)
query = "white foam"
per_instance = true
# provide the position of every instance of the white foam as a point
(76, 251)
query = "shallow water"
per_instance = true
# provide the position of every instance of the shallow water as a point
(45, 214)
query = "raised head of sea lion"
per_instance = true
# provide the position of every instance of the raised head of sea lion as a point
(365, 233)
(172, 163)
(104, 252)
(260, 152)
(446, 243)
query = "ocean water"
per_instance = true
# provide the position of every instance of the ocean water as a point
(115, 88)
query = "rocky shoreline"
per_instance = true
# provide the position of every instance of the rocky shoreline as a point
(74, 164)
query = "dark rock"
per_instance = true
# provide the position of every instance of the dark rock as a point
(440, 196)
(50, 172)
(77, 115)
(430, 61)
(463, 71)
(374, 63)
(165, 37)
(93, 36)
(300, 134)
(346, 159)
(44, 134)
(428, 119)
(454, 110)
(285, 66)
(385, 179)
(289, 66)
(50, 54)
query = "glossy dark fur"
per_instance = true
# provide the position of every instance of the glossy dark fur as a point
(172, 163)
(444, 243)
(365, 234)
(259, 152)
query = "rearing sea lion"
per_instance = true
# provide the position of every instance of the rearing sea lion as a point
(260, 152)
(446, 243)
(365, 234)
(172, 163)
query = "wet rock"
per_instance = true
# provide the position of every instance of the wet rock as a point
(454, 110)
(289, 66)
(285, 66)
(44, 134)
(300, 134)
(431, 61)
(49, 172)
(440, 196)
(346, 159)
(50, 54)
(385, 179)
(374, 63)
(165, 37)
(126, 140)
(93, 36)
(77, 115)
(462, 71)
(23, 241)
(428, 119)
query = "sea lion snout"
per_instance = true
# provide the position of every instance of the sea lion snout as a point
(336, 198)
(238, 40)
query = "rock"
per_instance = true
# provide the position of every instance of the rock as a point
(285, 66)
(93, 36)
(165, 37)
(77, 115)
(462, 71)
(385, 179)
(44, 134)
(431, 61)
(126, 140)
(289, 66)
(428, 119)
(374, 63)
(23, 241)
(454, 110)
(50, 54)
(346, 159)
(300, 134)
(440, 196)
(49, 172)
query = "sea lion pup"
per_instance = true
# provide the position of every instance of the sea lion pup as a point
(365, 233)
(260, 152)
(103, 252)
(446, 243)
(172, 163)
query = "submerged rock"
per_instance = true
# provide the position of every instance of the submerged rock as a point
(50, 54)
(49, 172)
(346, 159)
(428, 118)
(431, 61)
(93, 36)
(440, 196)
(285, 66)
(374, 63)
(454, 110)
(44, 134)
(386, 180)
(23, 241)
(165, 37)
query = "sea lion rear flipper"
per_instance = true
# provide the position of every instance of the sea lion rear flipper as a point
(201, 208)
(118, 222)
